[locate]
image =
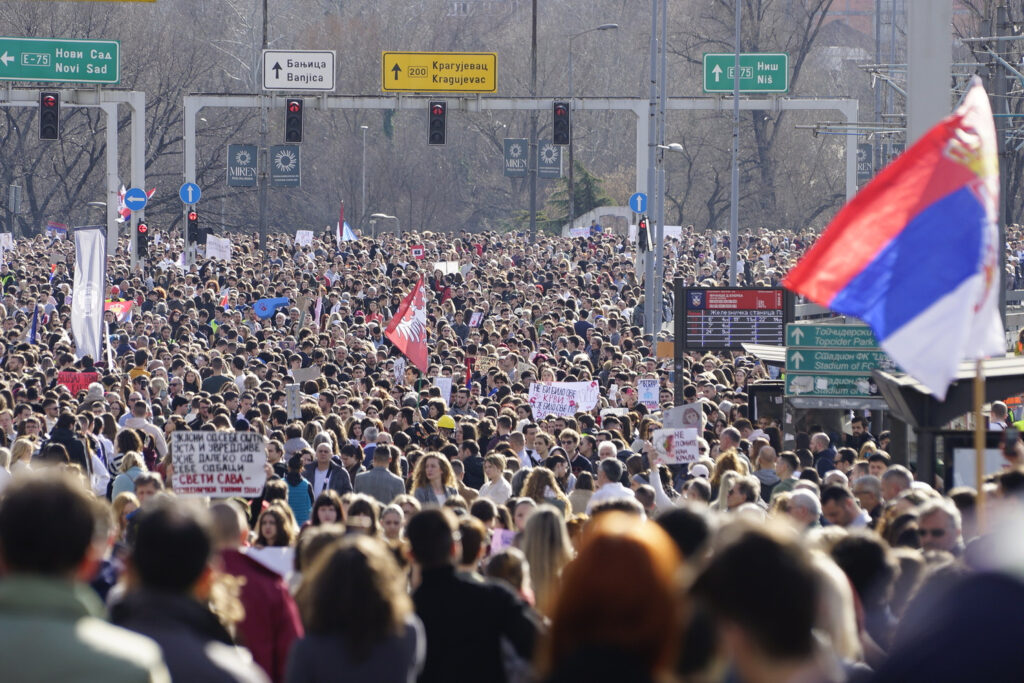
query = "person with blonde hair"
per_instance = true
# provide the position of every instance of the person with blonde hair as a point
(21, 455)
(545, 542)
(124, 504)
(132, 465)
(541, 487)
(433, 480)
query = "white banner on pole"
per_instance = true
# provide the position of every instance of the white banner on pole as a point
(87, 299)
(218, 247)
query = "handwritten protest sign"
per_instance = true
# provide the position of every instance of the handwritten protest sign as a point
(77, 381)
(218, 247)
(303, 237)
(476, 318)
(562, 398)
(445, 385)
(675, 446)
(218, 464)
(399, 370)
(447, 267)
(647, 389)
(303, 375)
(579, 232)
(686, 416)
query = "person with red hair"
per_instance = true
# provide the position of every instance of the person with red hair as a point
(619, 615)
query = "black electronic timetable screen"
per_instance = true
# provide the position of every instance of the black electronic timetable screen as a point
(725, 318)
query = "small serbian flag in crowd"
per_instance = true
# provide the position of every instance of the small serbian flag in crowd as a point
(57, 230)
(122, 310)
(418, 252)
(915, 254)
(53, 271)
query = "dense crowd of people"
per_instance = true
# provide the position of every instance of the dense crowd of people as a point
(404, 535)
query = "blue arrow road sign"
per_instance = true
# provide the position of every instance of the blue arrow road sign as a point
(135, 199)
(638, 202)
(190, 193)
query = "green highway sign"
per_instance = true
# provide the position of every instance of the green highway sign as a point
(830, 336)
(848, 361)
(834, 386)
(67, 61)
(759, 72)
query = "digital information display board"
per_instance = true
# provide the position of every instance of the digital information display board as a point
(725, 318)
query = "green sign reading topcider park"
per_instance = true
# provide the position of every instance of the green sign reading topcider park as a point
(66, 61)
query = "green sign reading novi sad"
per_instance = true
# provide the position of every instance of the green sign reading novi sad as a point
(68, 61)
(759, 72)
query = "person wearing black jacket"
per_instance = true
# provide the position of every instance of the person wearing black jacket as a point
(465, 620)
(63, 433)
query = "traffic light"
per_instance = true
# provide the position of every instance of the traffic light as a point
(560, 128)
(293, 120)
(436, 119)
(49, 115)
(193, 226)
(142, 240)
(643, 235)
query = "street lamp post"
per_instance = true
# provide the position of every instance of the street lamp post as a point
(362, 204)
(572, 105)
(386, 217)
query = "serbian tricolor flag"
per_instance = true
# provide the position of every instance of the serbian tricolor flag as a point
(915, 253)
(224, 300)
(408, 329)
(122, 309)
(53, 271)
(343, 231)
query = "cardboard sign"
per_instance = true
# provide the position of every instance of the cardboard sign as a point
(303, 375)
(675, 446)
(686, 416)
(579, 232)
(218, 464)
(303, 238)
(447, 267)
(77, 381)
(292, 400)
(218, 248)
(562, 398)
(445, 385)
(648, 390)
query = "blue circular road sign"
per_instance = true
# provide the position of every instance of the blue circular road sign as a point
(135, 199)
(638, 202)
(190, 193)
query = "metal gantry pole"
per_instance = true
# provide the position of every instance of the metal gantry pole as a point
(533, 125)
(264, 154)
(659, 235)
(734, 209)
(572, 169)
(362, 205)
(652, 132)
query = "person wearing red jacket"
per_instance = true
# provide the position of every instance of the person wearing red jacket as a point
(272, 621)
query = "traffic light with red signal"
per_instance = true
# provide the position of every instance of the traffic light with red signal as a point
(193, 226)
(436, 121)
(49, 116)
(293, 120)
(561, 130)
(643, 235)
(142, 239)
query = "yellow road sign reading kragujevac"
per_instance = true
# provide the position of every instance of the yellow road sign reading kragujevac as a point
(439, 71)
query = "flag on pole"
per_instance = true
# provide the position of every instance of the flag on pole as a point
(408, 329)
(53, 271)
(89, 283)
(224, 299)
(318, 311)
(122, 310)
(469, 372)
(915, 253)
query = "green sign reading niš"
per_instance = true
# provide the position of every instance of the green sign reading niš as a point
(68, 61)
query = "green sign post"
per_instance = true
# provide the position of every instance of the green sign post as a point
(67, 61)
(833, 362)
(759, 72)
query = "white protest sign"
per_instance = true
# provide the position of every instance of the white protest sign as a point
(303, 375)
(303, 237)
(579, 232)
(292, 400)
(686, 416)
(675, 446)
(445, 385)
(400, 370)
(447, 267)
(474, 320)
(647, 389)
(218, 464)
(218, 248)
(562, 398)
(6, 240)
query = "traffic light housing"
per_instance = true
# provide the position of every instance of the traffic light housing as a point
(293, 120)
(643, 235)
(561, 130)
(436, 120)
(142, 239)
(193, 226)
(49, 116)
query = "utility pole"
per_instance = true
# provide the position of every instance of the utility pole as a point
(734, 210)
(1001, 108)
(533, 125)
(652, 132)
(264, 154)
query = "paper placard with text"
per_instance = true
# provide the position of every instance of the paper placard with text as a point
(303, 238)
(219, 464)
(686, 416)
(77, 381)
(445, 385)
(675, 446)
(218, 248)
(562, 398)
(647, 392)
